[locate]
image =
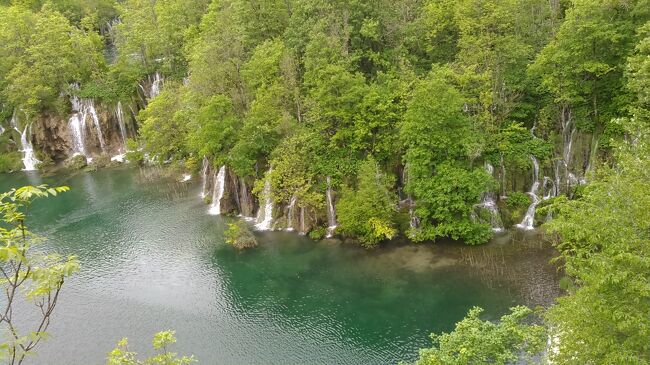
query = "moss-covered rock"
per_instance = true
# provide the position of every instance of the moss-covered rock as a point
(77, 162)
(240, 236)
(101, 161)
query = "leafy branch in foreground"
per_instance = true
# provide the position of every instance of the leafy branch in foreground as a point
(38, 277)
(161, 340)
(475, 341)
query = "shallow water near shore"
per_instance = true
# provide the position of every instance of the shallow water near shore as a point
(153, 259)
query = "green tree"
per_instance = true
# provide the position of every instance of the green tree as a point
(161, 342)
(436, 133)
(475, 341)
(603, 238)
(368, 211)
(27, 276)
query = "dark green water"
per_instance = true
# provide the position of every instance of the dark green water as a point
(152, 259)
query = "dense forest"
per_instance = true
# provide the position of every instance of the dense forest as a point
(465, 115)
(369, 119)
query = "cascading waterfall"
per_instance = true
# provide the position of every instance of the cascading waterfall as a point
(568, 134)
(292, 208)
(204, 177)
(243, 199)
(122, 125)
(528, 223)
(550, 189)
(331, 212)
(217, 191)
(156, 85)
(265, 213)
(82, 109)
(488, 202)
(302, 220)
(29, 157)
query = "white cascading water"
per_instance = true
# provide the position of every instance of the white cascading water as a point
(82, 109)
(156, 85)
(29, 157)
(122, 125)
(217, 191)
(550, 190)
(528, 223)
(302, 220)
(292, 208)
(265, 213)
(488, 202)
(205, 169)
(331, 212)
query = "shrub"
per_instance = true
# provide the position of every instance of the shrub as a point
(240, 236)
(10, 161)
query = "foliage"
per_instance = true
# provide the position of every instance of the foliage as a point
(134, 153)
(518, 200)
(240, 236)
(436, 134)
(475, 341)
(161, 342)
(27, 276)
(40, 54)
(318, 233)
(368, 212)
(603, 238)
(76, 162)
(10, 161)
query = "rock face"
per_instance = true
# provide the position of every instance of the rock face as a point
(53, 135)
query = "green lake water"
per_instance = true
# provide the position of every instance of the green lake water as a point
(152, 259)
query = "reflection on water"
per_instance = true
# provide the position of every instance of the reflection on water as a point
(152, 260)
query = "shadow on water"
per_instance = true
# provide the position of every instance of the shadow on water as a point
(153, 259)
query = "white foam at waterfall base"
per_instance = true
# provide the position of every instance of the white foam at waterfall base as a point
(265, 213)
(119, 158)
(528, 223)
(186, 178)
(292, 206)
(331, 212)
(217, 191)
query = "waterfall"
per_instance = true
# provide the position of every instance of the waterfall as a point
(29, 158)
(331, 212)
(217, 191)
(302, 220)
(204, 177)
(488, 202)
(292, 207)
(120, 121)
(549, 187)
(2, 130)
(528, 222)
(82, 109)
(245, 204)
(156, 85)
(265, 213)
